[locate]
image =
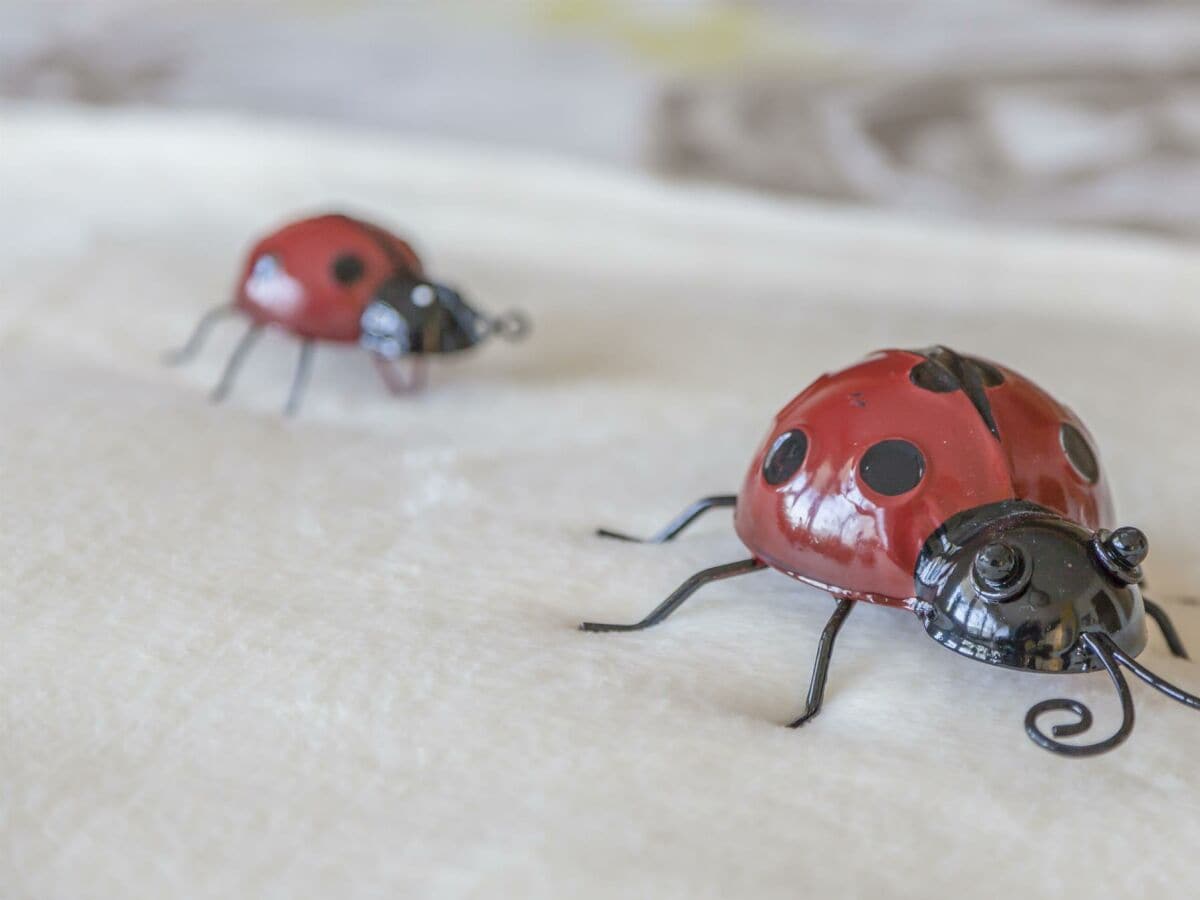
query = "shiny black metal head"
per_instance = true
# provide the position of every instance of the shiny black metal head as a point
(1013, 584)
(410, 316)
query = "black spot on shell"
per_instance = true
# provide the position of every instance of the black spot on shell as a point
(892, 467)
(1078, 453)
(929, 376)
(943, 371)
(938, 371)
(785, 457)
(992, 377)
(348, 268)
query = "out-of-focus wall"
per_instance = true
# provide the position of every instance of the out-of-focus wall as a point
(1030, 110)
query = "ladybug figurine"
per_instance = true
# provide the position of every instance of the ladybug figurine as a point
(336, 278)
(959, 490)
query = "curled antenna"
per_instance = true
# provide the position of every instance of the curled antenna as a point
(1112, 657)
(1102, 646)
(512, 325)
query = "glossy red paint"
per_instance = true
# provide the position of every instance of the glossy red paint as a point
(959, 490)
(314, 277)
(1030, 421)
(824, 525)
(339, 279)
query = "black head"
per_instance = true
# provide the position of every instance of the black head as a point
(414, 316)
(1013, 584)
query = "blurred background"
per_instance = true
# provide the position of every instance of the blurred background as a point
(1064, 111)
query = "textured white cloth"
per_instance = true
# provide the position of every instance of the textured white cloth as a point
(336, 656)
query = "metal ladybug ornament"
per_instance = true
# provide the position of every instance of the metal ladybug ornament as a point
(958, 490)
(339, 279)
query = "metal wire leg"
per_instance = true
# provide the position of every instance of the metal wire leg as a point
(1159, 615)
(681, 593)
(816, 687)
(244, 346)
(678, 524)
(418, 373)
(199, 335)
(300, 380)
(396, 382)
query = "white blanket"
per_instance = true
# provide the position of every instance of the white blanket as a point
(336, 656)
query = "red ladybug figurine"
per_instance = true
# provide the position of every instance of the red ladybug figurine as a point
(959, 490)
(336, 278)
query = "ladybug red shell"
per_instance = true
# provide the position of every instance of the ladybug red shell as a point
(341, 279)
(315, 277)
(955, 488)
(866, 463)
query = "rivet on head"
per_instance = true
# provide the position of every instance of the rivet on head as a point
(1127, 546)
(423, 295)
(1000, 572)
(997, 563)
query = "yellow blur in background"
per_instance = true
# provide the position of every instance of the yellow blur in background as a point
(1084, 112)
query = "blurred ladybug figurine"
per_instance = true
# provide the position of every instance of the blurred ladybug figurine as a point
(956, 489)
(335, 278)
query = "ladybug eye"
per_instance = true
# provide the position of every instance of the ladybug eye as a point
(423, 295)
(892, 467)
(785, 457)
(347, 269)
(1000, 572)
(1079, 454)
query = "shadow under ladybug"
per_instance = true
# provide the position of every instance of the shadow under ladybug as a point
(338, 279)
(959, 490)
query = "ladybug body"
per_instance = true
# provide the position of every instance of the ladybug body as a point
(315, 277)
(343, 280)
(956, 489)
(887, 459)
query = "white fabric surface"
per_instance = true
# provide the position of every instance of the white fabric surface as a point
(337, 656)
